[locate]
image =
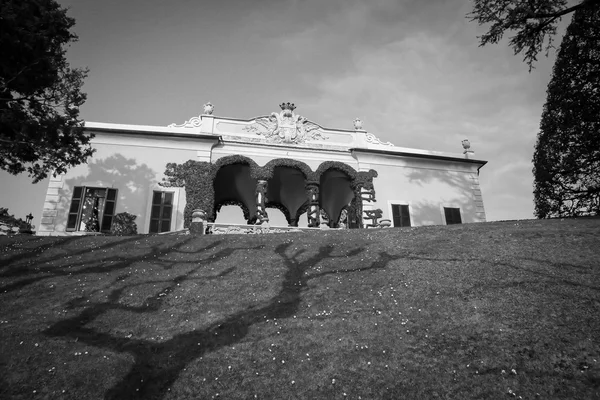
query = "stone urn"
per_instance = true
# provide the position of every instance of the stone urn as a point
(197, 227)
(385, 223)
(209, 108)
(466, 144)
(358, 125)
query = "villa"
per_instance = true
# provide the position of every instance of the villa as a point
(277, 163)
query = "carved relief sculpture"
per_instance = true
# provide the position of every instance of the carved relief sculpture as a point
(286, 127)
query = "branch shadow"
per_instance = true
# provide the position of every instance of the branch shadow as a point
(156, 366)
(428, 212)
(133, 182)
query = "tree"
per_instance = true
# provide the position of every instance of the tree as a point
(534, 21)
(40, 129)
(567, 153)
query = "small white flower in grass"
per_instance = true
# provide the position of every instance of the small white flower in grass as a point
(293, 382)
(513, 371)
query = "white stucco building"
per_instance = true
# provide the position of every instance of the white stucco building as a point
(314, 175)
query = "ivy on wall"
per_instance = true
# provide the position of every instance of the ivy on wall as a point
(198, 177)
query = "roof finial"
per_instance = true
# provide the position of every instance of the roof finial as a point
(209, 108)
(358, 126)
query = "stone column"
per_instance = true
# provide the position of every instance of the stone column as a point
(261, 199)
(367, 195)
(313, 213)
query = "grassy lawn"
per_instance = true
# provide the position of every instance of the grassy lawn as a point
(495, 310)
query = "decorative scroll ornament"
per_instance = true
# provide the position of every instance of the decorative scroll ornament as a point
(286, 127)
(375, 140)
(195, 122)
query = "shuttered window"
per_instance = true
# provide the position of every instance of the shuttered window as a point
(401, 215)
(160, 215)
(89, 202)
(452, 215)
(109, 209)
(74, 211)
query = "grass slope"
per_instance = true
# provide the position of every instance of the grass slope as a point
(473, 311)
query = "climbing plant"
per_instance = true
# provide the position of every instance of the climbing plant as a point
(198, 177)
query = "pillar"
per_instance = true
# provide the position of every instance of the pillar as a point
(313, 213)
(261, 199)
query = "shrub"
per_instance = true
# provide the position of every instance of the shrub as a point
(123, 224)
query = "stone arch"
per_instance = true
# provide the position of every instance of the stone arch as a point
(337, 165)
(336, 188)
(236, 159)
(233, 183)
(287, 162)
(287, 179)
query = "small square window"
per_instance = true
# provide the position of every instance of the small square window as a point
(452, 215)
(401, 215)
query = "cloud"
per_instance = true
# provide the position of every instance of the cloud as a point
(425, 84)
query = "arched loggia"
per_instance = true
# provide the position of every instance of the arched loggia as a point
(233, 183)
(286, 191)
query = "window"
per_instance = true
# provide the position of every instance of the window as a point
(92, 204)
(452, 215)
(162, 208)
(400, 215)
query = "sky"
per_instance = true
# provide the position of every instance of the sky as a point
(412, 71)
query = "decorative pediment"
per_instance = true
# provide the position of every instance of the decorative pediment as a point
(286, 127)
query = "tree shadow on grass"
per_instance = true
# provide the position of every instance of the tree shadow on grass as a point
(158, 365)
(100, 265)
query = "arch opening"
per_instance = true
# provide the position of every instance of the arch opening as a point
(335, 194)
(233, 184)
(286, 191)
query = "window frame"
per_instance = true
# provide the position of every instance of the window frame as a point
(102, 213)
(392, 203)
(452, 207)
(401, 216)
(176, 212)
(161, 217)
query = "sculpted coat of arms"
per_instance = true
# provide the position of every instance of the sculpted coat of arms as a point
(286, 127)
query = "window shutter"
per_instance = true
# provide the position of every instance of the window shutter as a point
(405, 215)
(109, 210)
(397, 217)
(75, 208)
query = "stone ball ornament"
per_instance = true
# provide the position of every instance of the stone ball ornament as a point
(209, 108)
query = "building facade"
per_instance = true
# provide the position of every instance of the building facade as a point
(314, 175)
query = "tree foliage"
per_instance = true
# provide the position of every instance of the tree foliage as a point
(40, 94)
(533, 21)
(567, 153)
